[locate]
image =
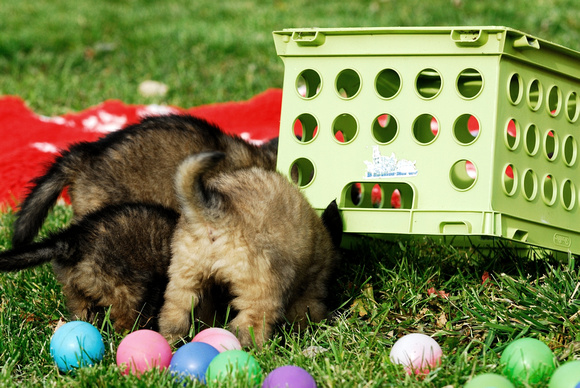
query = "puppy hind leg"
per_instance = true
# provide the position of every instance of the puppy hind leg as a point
(259, 310)
(181, 296)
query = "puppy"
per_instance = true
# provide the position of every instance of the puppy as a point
(116, 257)
(262, 241)
(136, 164)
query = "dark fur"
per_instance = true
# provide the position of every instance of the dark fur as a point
(117, 256)
(136, 164)
(263, 241)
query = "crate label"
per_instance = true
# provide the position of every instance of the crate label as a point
(561, 240)
(389, 166)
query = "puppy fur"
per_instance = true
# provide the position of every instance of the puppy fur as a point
(116, 257)
(253, 232)
(136, 164)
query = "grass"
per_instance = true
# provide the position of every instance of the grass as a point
(64, 56)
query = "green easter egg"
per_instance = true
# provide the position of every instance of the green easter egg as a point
(527, 360)
(489, 380)
(229, 364)
(566, 375)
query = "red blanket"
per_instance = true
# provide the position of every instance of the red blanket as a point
(31, 142)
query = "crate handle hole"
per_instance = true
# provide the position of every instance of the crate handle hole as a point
(308, 83)
(382, 195)
(388, 83)
(385, 128)
(517, 234)
(302, 172)
(469, 83)
(305, 128)
(428, 83)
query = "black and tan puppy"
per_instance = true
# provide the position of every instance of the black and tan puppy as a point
(116, 257)
(136, 164)
(263, 241)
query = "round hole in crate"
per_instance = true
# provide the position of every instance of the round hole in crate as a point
(530, 184)
(572, 107)
(388, 83)
(308, 83)
(428, 83)
(466, 129)
(532, 139)
(551, 145)
(305, 128)
(509, 180)
(348, 83)
(534, 95)
(568, 196)
(512, 134)
(570, 150)
(385, 128)
(302, 172)
(554, 100)
(549, 190)
(514, 89)
(469, 83)
(425, 128)
(463, 174)
(344, 128)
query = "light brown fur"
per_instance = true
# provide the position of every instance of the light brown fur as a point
(253, 232)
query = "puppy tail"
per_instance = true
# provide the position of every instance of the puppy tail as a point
(195, 196)
(32, 255)
(39, 201)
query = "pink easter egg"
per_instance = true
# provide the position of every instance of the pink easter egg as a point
(419, 353)
(143, 350)
(221, 339)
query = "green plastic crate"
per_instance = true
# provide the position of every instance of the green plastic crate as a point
(473, 129)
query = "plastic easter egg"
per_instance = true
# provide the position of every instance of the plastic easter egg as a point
(419, 353)
(143, 350)
(527, 360)
(76, 344)
(566, 375)
(289, 376)
(192, 359)
(221, 339)
(489, 380)
(231, 363)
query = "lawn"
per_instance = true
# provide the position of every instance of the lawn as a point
(64, 56)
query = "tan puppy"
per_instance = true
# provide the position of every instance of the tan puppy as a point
(253, 232)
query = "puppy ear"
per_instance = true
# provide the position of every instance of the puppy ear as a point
(333, 223)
